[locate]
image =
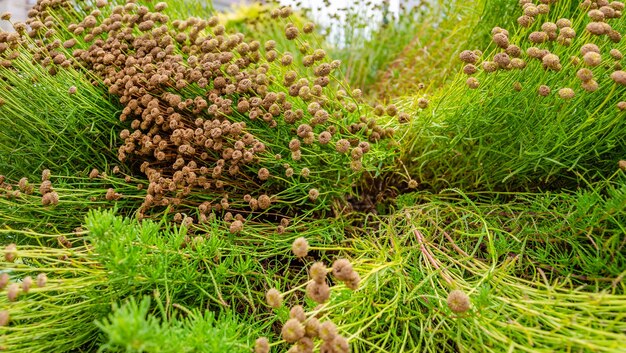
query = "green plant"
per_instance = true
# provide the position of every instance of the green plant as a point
(505, 135)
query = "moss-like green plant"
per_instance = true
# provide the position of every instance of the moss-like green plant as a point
(498, 128)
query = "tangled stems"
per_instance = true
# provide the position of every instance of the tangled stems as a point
(521, 298)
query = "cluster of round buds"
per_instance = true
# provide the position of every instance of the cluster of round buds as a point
(587, 82)
(48, 195)
(317, 289)
(302, 332)
(343, 271)
(189, 90)
(599, 12)
(458, 301)
(531, 12)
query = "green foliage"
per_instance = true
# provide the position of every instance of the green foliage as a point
(497, 137)
(132, 327)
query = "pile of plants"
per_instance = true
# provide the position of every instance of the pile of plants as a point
(448, 177)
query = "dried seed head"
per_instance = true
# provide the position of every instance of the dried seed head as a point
(340, 345)
(458, 301)
(292, 331)
(598, 28)
(264, 202)
(27, 282)
(489, 66)
(291, 32)
(313, 194)
(10, 252)
(589, 47)
(4, 318)
(551, 61)
(501, 40)
(621, 105)
(4, 280)
(568, 32)
(13, 290)
(549, 27)
(273, 298)
(42, 279)
(538, 37)
(328, 331)
(342, 146)
(324, 137)
(619, 77)
(502, 59)
(318, 292)
(566, 93)
(264, 174)
(422, 103)
(584, 74)
(45, 175)
(412, 184)
(51, 198)
(236, 227)
(342, 269)
(318, 272)
(590, 85)
(468, 56)
(563, 22)
(592, 59)
(616, 54)
(354, 281)
(308, 27)
(596, 15)
(300, 247)
(94, 173)
(262, 345)
(543, 90)
(525, 21)
(622, 165)
(297, 312)
(472, 83)
(5, 16)
(514, 51)
(469, 69)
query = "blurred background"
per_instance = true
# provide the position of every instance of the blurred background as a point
(18, 8)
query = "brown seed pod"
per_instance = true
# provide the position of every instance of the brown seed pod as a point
(261, 345)
(10, 252)
(458, 301)
(291, 32)
(42, 280)
(342, 269)
(328, 331)
(543, 90)
(297, 312)
(619, 77)
(318, 292)
(584, 74)
(590, 85)
(4, 318)
(470, 69)
(472, 83)
(468, 56)
(292, 331)
(566, 93)
(318, 272)
(274, 298)
(300, 247)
